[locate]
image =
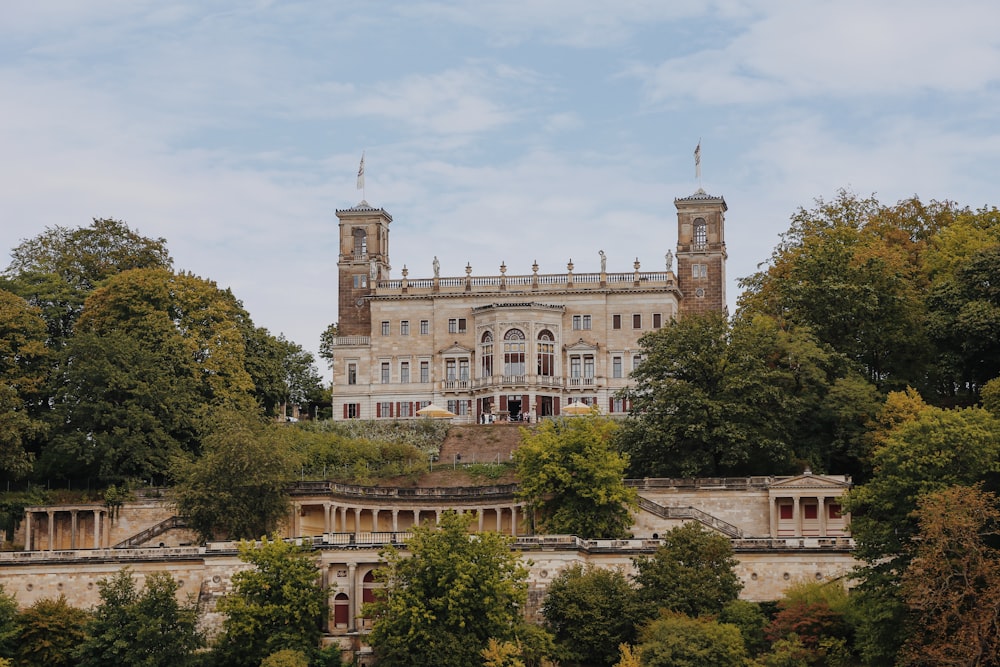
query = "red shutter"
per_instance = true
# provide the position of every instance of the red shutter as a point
(378, 409)
(611, 405)
(503, 402)
(555, 406)
(345, 410)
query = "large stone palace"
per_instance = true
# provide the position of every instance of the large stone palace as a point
(508, 346)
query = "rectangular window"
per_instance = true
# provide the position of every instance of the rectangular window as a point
(586, 322)
(352, 373)
(461, 325)
(616, 321)
(425, 327)
(785, 511)
(574, 367)
(809, 511)
(385, 372)
(577, 322)
(463, 369)
(453, 325)
(449, 370)
(425, 371)
(404, 327)
(385, 409)
(453, 406)
(833, 511)
(637, 321)
(617, 405)
(404, 410)
(616, 367)
(360, 280)
(657, 321)
(636, 360)
(463, 407)
(385, 327)
(699, 270)
(404, 371)
(352, 410)
(588, 367)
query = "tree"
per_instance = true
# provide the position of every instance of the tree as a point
(152, 354)
(286, 658)
(442, 604)
(276, 604)
(57, 269)
(748, 397)
(674, 640)
(571, 476)
(8, 624)
(952, 584)
(923, 454)
(238, 488)
(327, 339)
(691, 573)
(751, 621)
(850, 271)
(591, 611)
(23, 374)
(51, 631)
(147, 628)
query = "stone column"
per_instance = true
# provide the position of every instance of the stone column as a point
(416, 518)
(374, 513)
(52, 529)
(352, 593)
(513, 520)
(395, 520)
(326, 518)
(773, 517)
(499, 512)
(797, 515)
(28, 518)
(437, 517)
(97, 529)
(357, 526)
(72, 529)
(481, 512)
(343, 519)
(821, 513)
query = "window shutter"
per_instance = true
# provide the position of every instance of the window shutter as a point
(378, 409)
(345, 410)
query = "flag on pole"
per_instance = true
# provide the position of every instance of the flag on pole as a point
(361, 173)
(697, 160)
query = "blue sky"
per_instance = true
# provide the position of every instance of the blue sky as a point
(513, 131)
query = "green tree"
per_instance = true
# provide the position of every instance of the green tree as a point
(591, 611)
(850, 270)
(57, 269)
(238, 489)
(443, 603)
(276, 604)
(748, 397)
(51, 632)
(952, 584)
(573, 479)
(751, 621)
(8, 624)
(23, 375)
(147, 628)
(286, 658)
(691, 573)
(327, 339)
(152, 354)
(922, 454)
(676, 640)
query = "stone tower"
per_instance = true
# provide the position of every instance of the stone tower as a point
(363, 261)
(701, 253)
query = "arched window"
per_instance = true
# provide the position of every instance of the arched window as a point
(341, 610)
(360, 244)
(700, 233)
(486, 355)
(546, 353)
(514, 348)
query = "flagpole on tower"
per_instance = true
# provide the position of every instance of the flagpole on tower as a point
(361, 176)
(697, 162)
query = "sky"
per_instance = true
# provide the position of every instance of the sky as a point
(493, 130)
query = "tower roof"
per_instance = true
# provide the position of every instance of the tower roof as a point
(701, 197)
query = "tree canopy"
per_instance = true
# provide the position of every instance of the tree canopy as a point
(442, 604)
(572, 477)
(276, 604)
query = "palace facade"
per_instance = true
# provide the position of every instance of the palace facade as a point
(508, 346)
